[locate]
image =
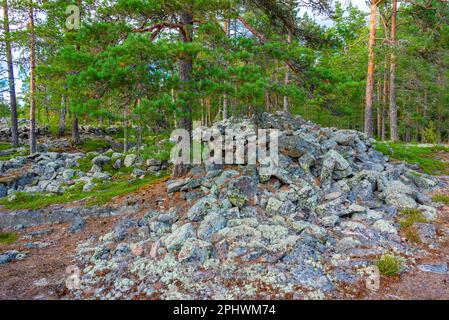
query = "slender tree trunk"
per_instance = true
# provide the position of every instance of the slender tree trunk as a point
(393, 108)
(62, 116)
(76, 139)
(370, 74)
(379, 108)
(33, 144)
(185, 71)
(12, 87)
(384, 101)
(225, 95)
(185, 75)
(287, 75)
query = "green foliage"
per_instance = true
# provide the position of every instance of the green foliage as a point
(444, 198)
(388, 265)
(424, 156)
(430, 134)
(410, 216)
(7, 238)
(5, 146)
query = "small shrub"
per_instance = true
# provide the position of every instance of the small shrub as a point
(444, 198)
(410, 217)
(388, 265)
(430, 134)
(7, 238)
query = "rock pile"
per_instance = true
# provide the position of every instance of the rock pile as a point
(316, 223)
(54, 172)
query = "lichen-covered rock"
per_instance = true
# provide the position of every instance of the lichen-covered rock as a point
(130, 159)
(175, 240)
(212, 223)
(194, 250)
(201, 208)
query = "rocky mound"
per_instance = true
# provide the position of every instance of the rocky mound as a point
(314, 225)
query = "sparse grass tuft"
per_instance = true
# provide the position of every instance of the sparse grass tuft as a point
(410, 216)
(7, 238)
(388, 265)
(444, 198)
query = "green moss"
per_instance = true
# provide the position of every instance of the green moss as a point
(101, 194)
(7, 238)
(388, 265)
(89, 145)
(410, 216)
(444, 198)
(414, 154)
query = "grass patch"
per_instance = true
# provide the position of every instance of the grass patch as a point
(388, 265)
(89, 145)
(5, 146)
(410, 216)
(444, 198)
(7, 238)
(414, 154)
(14, 154)
(101, 194)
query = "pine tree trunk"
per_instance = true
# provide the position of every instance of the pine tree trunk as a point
(12, 87)
(62, 117)
(185, 75)
(384, 101)
(287, 75)
(393, 108)
(370, 74)
(33, 144)
(76, 139)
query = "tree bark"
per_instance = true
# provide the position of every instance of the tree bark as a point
(384, 101)
(394, 136)
(75, 130)
(185, 75)
(12, 87)
(33, 144)
(370, 74)
(287, 75)
(62, 117)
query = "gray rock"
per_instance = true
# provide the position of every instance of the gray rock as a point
(434, 268)
(130, 159)
(194, 250)
(212, 223)
(101, 160)
(117, 164)
(68, 174)
(176, 185)
(138, 172)
(78, 224)
(201, 208)
(101, 176)
(175, 240)
(8, 256)
(334, 167)
(426, 231)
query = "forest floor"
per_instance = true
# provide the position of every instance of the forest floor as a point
(42, 274)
